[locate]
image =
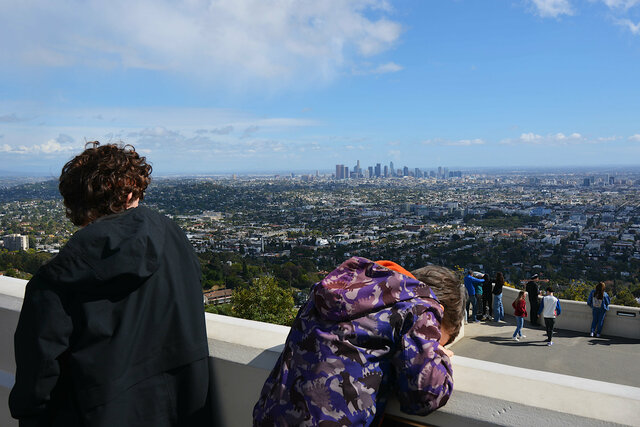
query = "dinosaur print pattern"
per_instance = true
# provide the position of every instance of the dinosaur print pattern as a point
(365, 331)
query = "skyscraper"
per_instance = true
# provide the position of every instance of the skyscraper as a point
(393, 171)
(378, 171)
(386, 171)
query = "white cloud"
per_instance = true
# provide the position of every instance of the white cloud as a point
(549, 139)
(460, 143)
(562, 137)
(389, 67)
(62, 144)
(250, 131)
(243, 40)
(222, 131)
(530, 137)
(607, 138)
(10, 118)
(627, 23)
(466, 142)
(621, 4)
(552, 8)
(635, 138)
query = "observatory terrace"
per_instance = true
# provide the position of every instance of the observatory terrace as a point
(579, 381)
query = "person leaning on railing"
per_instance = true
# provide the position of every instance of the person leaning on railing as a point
(599, 302)
(369, 330)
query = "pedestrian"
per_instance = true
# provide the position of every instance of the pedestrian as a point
(498, 308)
(549, 308)
(520, 311)
(599, 303)
(533, 290)
(469, 284)
(478, 287)
(112, 330)
(365, 323)
(487, 297)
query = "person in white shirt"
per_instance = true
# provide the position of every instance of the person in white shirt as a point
(549, 308)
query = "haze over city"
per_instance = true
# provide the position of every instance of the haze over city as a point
(248, 85)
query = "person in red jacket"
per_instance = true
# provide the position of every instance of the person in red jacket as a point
(520, 307)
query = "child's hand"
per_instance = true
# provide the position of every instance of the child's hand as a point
(446, 351)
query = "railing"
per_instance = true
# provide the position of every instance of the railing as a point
(243, 352)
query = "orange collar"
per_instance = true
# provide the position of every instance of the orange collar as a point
(395, 267)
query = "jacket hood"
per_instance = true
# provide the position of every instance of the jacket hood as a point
(359, 286)
(127, 246)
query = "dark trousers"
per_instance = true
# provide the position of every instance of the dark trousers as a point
(549, 322)
(533, 314)
(486, 304)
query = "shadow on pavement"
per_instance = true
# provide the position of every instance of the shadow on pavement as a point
(510, 342)
(558, 334)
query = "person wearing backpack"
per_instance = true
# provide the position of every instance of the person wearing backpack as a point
(599, 303)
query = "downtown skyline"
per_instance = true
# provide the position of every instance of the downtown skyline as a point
(246, 86)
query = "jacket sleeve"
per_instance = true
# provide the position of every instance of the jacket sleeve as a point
(605, 302)
(541, 306)
(423, 371)
(590, 299)
(558, 309)
(41, 337)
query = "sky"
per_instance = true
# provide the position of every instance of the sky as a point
(235, 86)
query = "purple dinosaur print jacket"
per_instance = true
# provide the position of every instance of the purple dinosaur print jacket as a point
(365, 330)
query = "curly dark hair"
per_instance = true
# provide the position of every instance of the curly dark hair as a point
(97, 182)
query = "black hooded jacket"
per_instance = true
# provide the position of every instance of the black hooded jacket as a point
(112, 331)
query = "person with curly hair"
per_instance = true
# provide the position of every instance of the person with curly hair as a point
(112, 331)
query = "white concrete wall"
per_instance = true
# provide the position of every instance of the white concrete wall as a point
(620, 321)
(243, 353)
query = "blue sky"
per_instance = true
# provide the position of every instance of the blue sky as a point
(277, 85)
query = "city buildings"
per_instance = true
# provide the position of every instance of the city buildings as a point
(15, 242)
(380, 171)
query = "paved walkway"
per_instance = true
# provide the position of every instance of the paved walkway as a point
(610, 359)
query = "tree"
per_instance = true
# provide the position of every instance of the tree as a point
(624, 297)
(264, 301)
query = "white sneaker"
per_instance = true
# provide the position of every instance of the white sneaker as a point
(597, 335)
(523, 336)
(591, 334)
(550, 343)
(515, 338)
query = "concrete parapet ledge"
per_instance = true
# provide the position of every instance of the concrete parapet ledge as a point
(620, 321)
(485, 393)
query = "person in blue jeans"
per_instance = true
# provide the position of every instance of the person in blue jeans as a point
(599, 303)
(498, 308)
(520, 311)
(469, 284)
